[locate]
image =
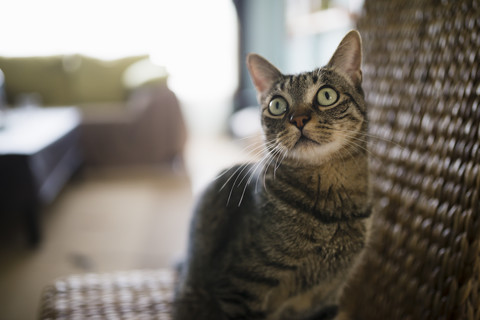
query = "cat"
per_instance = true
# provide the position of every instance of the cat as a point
(277, 239)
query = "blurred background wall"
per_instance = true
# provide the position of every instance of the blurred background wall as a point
(202, 44)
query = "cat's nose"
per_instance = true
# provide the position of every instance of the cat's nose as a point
(299, 121)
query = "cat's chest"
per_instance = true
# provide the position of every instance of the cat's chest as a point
(316, 282)
(326, 197)
(322, 249)
(301, 235)
(316, 249)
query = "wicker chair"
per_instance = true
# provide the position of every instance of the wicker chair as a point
(422, 80)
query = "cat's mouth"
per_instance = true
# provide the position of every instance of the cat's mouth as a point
(305, 141)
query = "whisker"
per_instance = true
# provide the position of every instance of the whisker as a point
(242, 168)
(254, 146)
(365, 149)
(351, 156)
(370, 135)
(277, 164)
(252, 136)
(224, 172)
(268, 160)
(255, 168)
(255, 152)
(234, 183)
(258, 152)
(271, 153)
(255, 135)
(278, 152)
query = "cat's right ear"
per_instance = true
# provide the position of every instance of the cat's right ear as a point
(263, 73)
(348, 57)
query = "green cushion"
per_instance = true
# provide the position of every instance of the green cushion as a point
(66, 80)
(99, 80)
(43, 75)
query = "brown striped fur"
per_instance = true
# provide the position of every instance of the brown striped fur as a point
(277, 239)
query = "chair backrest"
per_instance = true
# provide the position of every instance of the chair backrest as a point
(422, 83)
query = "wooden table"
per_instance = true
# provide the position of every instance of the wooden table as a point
(39, 151)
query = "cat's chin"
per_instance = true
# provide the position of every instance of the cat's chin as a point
(309, 151)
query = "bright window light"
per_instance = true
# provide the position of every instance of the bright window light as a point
(195, 40)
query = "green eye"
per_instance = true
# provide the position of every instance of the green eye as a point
(277, 106)
(326, 96)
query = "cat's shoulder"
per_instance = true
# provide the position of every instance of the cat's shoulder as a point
(221, 198)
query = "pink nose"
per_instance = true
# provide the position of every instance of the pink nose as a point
(299, 121)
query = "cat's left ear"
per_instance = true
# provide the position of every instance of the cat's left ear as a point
(348, 57)
(263, 73)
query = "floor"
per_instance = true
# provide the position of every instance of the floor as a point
(108, 220)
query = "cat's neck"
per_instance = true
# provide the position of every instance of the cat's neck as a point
(337, 187)
(333, 173)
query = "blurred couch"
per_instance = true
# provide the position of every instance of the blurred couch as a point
(130, 116)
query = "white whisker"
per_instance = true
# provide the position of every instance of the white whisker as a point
(273, 157)
(259, 150)
(369, 135)
(255, 168)
(277, 164)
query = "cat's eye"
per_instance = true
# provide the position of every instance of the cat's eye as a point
(277, 106)
(327, 96)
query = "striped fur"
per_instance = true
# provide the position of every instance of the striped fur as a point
(277, 239)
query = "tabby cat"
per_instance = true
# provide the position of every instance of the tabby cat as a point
(278, 238)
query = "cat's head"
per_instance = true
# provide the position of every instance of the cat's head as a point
(314, 116)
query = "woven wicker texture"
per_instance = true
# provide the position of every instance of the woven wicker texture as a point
(422, 84)
(123, 295)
